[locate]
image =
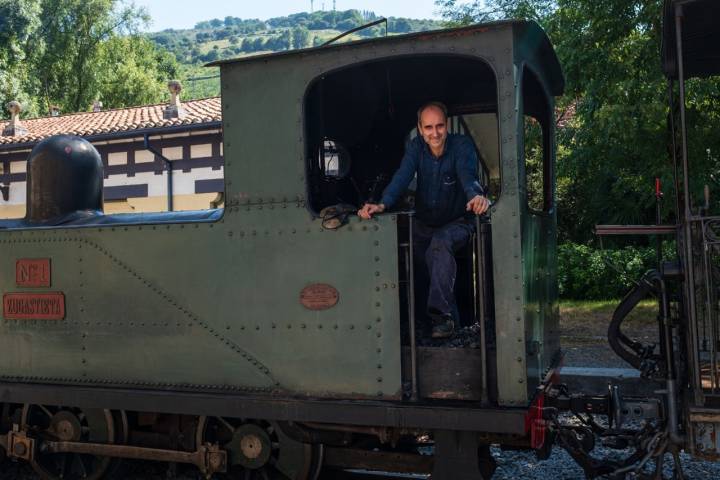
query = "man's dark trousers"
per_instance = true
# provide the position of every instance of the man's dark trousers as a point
(434, 249)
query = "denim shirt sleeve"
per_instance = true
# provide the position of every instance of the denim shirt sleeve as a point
(403, 176)
(466, 168)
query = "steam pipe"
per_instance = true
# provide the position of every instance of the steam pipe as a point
(618, 341)
(356, 29)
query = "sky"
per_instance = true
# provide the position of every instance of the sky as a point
(180, 14)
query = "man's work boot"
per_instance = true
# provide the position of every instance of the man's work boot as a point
(443, 326)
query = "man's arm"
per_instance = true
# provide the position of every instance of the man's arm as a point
(466, 170)
(399, 183)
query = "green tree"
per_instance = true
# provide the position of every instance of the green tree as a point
(17, 19)
(63, 53)
(615, 141)
(300, 37)
(76, 51)
(460, 12)
(133, 72)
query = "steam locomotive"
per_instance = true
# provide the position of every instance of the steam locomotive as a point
(279, 336)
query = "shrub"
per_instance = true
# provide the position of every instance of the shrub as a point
(586, 273)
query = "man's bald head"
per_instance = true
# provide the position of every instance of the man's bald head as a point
(434, 105)
(432, 126)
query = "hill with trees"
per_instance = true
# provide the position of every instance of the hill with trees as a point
(216, 39)
(234, 37)
(69, 53)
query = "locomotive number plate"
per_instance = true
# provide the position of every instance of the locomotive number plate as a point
(32, 272)
(319, 296)
(34, 306)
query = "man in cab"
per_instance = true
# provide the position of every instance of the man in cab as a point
(448, 196)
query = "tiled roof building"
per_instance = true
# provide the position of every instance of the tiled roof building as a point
(115, 121)
(147, 151)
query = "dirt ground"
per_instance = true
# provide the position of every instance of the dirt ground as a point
(584, 325)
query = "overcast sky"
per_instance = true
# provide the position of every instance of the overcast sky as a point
(186, 13)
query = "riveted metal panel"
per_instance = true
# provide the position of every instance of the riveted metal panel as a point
(541, 346)
(524, 244)
(227, 314)
(507, 252)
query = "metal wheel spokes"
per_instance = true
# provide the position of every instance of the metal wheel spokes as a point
(259, 450)
(53, 423)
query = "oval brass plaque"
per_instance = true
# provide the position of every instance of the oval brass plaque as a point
(319, 296)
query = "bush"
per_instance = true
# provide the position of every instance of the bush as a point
(586, 273)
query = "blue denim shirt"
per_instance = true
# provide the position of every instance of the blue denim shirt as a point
(444, 184)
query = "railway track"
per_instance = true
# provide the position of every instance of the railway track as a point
(511, 466)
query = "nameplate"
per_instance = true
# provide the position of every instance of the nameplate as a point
(34, 306)
(32, 272)
(319, 296)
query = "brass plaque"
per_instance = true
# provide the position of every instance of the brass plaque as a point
(34, 306)
(319, 296)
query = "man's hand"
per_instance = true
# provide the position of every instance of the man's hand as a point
(367, 211)
(478, 205)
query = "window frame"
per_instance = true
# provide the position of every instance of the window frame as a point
(547, 133)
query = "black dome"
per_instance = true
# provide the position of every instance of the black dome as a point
(64, 176)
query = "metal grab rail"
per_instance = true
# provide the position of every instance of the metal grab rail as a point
(410, 272)
(479, 289)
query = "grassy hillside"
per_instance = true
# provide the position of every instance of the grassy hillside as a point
(234, 37)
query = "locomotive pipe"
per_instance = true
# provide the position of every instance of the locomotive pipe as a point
(411, 312)
(618, 341)
(673, 138)
(651, 281)
(168, 168)
(670, 376)
(689, 268)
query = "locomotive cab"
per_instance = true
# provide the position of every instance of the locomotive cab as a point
(358, 119)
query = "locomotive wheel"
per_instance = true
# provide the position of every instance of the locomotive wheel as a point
(73, 425)
(259, 450)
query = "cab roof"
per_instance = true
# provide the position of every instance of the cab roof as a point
(525, 29)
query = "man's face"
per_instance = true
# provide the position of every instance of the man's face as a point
(433, 128)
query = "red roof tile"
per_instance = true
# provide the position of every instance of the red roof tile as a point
(119, 120)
